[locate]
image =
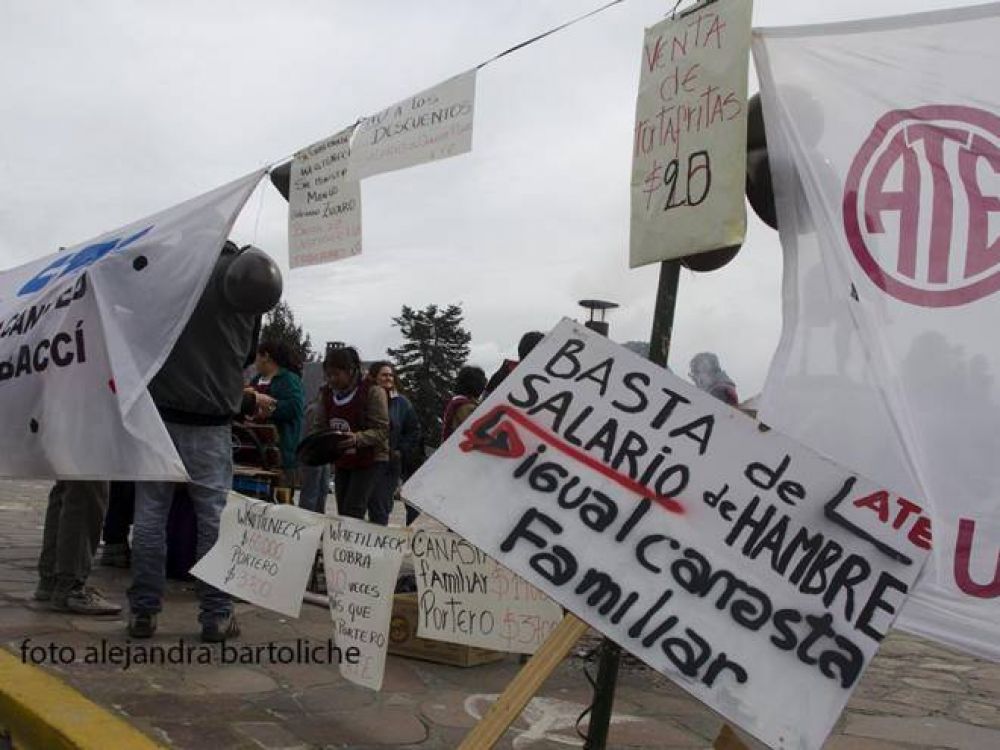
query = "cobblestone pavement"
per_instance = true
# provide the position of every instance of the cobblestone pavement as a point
(915, 694)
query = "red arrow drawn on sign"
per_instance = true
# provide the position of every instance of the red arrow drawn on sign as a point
(495, 434)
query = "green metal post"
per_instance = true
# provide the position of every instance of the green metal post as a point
(610, 652)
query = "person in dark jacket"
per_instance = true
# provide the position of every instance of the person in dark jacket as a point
(469, 385)
(197, 392)
(528, 342)
(404, 441)
(277, 377)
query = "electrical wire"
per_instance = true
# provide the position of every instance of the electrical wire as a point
(509, 50)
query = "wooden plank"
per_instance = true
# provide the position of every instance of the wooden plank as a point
(728, 740)
(523, 687)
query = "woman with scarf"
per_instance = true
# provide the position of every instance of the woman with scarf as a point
(708, 375)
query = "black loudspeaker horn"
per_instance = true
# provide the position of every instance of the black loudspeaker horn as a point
(710, 261)
(281, 178)
(759, 189)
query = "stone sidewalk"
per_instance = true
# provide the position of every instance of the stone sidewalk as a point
(916, 695)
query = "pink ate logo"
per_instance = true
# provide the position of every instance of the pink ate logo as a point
(922, 205)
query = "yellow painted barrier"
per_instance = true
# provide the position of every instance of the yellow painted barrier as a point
(43, 713)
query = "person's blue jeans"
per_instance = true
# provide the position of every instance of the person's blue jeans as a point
(315, 487)
(207, 455)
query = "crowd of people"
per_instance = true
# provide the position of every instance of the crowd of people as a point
(199, 392)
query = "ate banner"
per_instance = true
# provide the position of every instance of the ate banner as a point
(744, 566)
(884, 144)
(83, 331)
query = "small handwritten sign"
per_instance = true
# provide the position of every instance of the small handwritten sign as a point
(689, 145)
(465, 596)
(324, 204)
(753, 572)
(362, 562)
(264, 553)
(434, 124)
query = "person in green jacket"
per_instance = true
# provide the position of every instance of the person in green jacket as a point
(277, 376)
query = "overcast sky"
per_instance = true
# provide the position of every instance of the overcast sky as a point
(112, 109)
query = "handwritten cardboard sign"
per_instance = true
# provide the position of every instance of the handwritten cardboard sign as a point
(362, 562)
(431, 125)
(689, 145)
(756, 574)
(324, 204)
(464, 596)
(264, 553)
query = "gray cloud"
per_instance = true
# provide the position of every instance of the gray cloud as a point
(114, 109)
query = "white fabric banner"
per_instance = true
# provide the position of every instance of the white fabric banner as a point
(434, 124)
(324, 204)
(465, 596)
(884, 144)
(362, 562)
(689, 145)
(737, 562)
(264, 553)
(84, 330)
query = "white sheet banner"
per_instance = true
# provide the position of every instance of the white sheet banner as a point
(362, 563)
(431, 125)
(884, 143)
(83, 331)
(464, 596)
(739, 563)
(264, 553)
(689, 145)
(324, 204)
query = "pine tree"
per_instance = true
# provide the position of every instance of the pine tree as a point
(279, 324)
(435, 346)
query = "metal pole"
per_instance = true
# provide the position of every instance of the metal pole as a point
(663, 314)
(604, 696)
(610, 652)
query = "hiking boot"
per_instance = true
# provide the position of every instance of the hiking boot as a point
(43, 591)
(115, 556)
(84, 600)
(141, 625)
(219, 630)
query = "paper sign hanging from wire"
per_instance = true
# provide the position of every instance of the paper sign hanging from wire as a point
(434, 124)
(324, 204)
(689, 144)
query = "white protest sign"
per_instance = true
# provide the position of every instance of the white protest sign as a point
(464, 596)
(83, 331)
(264, 553)
(324, 204)
(689, 145)
(362, 563)
(737, 562)
(431, 125)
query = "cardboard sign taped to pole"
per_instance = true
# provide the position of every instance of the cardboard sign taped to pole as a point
(751, 571)
(689, 144)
